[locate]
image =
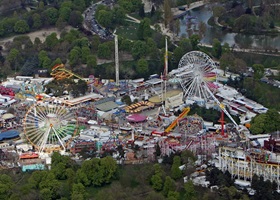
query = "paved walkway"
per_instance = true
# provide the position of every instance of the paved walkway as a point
(178, 13)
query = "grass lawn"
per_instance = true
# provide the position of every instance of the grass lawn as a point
(129, 31)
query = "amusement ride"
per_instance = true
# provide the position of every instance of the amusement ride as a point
(49, 127)
(197, 75)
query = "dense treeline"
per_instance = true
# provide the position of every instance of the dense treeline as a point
(58, 13)
(102, 178)
(93, 177)
(249, 16)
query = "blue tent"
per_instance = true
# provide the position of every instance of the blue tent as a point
(9, 134)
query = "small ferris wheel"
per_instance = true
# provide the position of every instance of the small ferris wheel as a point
(49, 127)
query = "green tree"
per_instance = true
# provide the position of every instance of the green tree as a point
(217, 48)
(51, 41)
(85, 54)
(36, 178)
(218, 11)
(178, 54)
(105, 18)
(176, 173)
(144, 30)
(59, 171)
(56, 61)
(139, 49)
(258, 71)
(52, 15)
(45, 194)
(226, 48)
(130, 6)
(37, 22)
(124, 44)
(157, 182)
(188, 158)
(173, 195)
(79, 5)
(108, 166)
(44, 60)
(8, 24)
(60, 24)
(82, 178)
(37, 43)
(153, 50)
(226, 61)
(95, 43)
(118, 16)
(142, 67)
(52, 184)
(74, 56)
(169, 186)
(21, 26)
(190, 192)
(78, 192)
(194, 39)
(13, 56)
(104, 51)
(75, 19)
(6, 186)
(91, 61)
(126, 99)
(29, 66)
(266, 122)
(64, 13)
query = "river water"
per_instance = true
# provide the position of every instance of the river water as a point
(240, 40)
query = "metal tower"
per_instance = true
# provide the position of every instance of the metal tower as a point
(117, 61)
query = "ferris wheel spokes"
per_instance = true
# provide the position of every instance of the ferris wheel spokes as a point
(59, 138)
(48, 127)
(42, 142)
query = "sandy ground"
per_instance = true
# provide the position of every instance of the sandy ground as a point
(41, 34)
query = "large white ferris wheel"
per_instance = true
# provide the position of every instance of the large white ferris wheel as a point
(49, 127)
(197, 74)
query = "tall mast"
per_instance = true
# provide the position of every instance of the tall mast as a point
(117, 60)
(165, 68)
(166, 60)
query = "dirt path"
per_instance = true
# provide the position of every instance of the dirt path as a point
(41, 34)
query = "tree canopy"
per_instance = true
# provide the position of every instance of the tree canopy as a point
(265, 123)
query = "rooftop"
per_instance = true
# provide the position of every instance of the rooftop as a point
(157, 99)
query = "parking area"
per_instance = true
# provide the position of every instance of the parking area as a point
(92, 25)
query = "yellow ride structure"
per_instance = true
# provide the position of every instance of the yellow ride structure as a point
(175, 122)
(59, 72)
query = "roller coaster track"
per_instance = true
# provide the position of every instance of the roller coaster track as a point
(59, 73)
